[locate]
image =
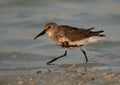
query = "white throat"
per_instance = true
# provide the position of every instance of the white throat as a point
(49, 34)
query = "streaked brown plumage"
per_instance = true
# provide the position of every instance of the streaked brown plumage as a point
(70, 37)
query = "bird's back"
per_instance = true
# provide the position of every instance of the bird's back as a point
(75, 34)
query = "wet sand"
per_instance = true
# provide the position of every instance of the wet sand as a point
(65, 77)
(59, 74)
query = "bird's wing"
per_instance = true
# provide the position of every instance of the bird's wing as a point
(75, 34)
(77, 37)
(72, 34)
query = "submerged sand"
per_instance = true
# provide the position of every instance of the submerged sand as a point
(64, 77)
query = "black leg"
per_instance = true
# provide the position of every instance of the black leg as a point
(84, 55)
(49, 63)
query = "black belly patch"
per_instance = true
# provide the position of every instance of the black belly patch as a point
(66, 45)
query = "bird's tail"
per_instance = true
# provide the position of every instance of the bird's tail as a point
(98, 33)
(95, 33)
(90, 28)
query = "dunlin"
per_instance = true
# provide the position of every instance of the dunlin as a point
(70, 37)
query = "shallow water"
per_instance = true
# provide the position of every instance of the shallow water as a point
(22, 20)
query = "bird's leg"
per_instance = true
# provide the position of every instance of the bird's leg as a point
(49, 63)
(84, 55)
(85, 68)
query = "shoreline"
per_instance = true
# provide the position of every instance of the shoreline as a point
(64, 77)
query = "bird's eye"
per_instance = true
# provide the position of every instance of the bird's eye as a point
(49, 26)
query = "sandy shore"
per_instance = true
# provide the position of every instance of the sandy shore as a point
(64, 77)
(58, 74)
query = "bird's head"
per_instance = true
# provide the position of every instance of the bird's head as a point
(48, 28)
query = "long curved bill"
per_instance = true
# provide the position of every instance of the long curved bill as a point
(42, 33)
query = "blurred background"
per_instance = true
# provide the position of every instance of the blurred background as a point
(22, 20)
